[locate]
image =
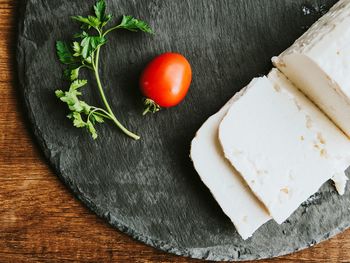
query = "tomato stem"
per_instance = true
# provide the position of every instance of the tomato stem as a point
(150, 106)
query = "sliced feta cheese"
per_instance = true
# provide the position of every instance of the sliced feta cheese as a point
(228, 188)
(340, 181)
(283, 146)
(318, 63)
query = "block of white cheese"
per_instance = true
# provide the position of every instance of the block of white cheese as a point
(284, 147)
(228, 188)
(318, 63)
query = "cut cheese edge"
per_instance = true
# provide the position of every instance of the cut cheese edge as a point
(283, 146)
(228, 188)
(340, 181)
(318, 64)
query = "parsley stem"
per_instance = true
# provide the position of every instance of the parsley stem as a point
(86, 66)
(110, 30)
(100, 112)
(104, 99)
(103, 115)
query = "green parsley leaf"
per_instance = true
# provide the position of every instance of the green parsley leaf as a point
(78, 120)
(67, 72)
(80, 108)
(80, 35)
(91, 129)
(74, 74)
(78, 84)
(71, 97)
(106, 19)
(97, 118)
(89, 59)
(100, 12)
(59, 93)
(86, 107)
(90, 21)
(89, 45)
(64, 53)
(132, 24)
(76, 49)
(100, 9)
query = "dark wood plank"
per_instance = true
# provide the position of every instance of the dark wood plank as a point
(49, 225)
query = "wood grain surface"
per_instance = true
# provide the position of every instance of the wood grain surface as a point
(40, 221)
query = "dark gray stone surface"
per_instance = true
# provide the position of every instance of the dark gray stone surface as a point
(149, 189)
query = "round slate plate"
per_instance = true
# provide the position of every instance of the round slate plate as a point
(149, 189)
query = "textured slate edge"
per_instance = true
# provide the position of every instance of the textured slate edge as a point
(197, 253)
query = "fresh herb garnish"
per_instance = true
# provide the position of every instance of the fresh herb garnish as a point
(85, 53)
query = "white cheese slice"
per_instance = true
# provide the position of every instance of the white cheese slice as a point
(228, 188)
(284, 147)
(318, 63)
(340, 181)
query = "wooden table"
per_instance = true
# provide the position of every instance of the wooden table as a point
(40, 221)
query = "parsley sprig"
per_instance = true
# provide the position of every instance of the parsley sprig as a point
(84, 53)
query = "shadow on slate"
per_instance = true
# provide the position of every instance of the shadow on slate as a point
(149, 189)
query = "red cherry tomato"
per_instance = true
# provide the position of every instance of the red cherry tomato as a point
(165, 81)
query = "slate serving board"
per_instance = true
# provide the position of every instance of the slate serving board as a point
(149, 189)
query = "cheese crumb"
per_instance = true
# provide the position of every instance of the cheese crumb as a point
(308, 122)
(277, 88)
(320, 138)
(285, 190)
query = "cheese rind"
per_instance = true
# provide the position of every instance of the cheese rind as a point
(284, 147)
(318, 64)
(224, 182)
